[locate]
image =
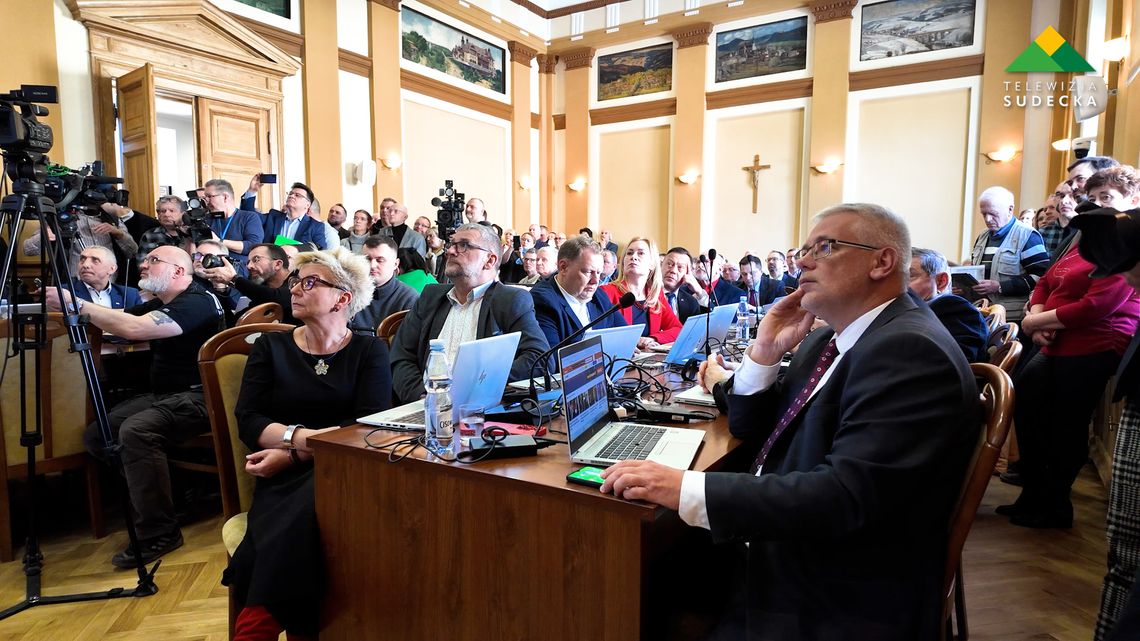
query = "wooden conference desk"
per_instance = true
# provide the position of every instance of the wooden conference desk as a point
(490, 551)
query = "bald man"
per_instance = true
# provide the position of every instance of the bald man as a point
(1013, 254)
(177, 321)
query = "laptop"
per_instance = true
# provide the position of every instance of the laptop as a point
(690, 342)
(478, 377)
(592, 437)
(695, 395)
(618, 342)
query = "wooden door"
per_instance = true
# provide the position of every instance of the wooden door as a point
(137, 127)
(233, 143)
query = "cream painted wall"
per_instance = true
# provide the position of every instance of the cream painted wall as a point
(355, 138)
(779, 138)
(352, 25)
(293, 143)
(558, 173)
(917, 170)
(75, 102)
(443, 144)
(634, 182)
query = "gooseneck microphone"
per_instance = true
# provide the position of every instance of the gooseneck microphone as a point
(627, 300)
(712, 303)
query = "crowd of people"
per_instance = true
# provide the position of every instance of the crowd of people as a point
(863, 440)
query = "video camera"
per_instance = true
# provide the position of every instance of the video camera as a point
(197, 218)
(449, 213)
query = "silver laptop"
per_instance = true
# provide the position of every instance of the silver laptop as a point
(690, 342)
(618, 343)
(478, 377)
(593, 438)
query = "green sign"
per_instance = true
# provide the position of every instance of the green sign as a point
(1050, 52)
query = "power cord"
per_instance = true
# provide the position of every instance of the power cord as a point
(493, 436)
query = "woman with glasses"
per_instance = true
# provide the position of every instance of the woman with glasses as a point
(317, 378)
(414, 270)
(641, 274)
(361, 221)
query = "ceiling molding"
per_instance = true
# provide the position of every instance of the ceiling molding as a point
(830, 10)
(521, 53)
(578, 58)
(693, 35)
(353, 62)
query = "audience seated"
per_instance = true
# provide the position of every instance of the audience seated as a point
(760, 289)
(106, 230)
(546, 261)
(170, 229)
(389, 295)
(354, 241)
(609, 265)
(930, 281)
(337, 215)
(684, 294)
(641, 275)
(96, 281)
(238, 230)
(723, 288)
(474, 305)
(873, 464)
(530, 268)
(571, 299)
(608, 243)
(268, 270)
(777, 266)
(294, 222)
(413, 269)
(396, 228)
(276, 571)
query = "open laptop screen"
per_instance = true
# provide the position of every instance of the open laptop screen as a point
(585, 400)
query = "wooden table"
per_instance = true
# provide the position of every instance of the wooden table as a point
(491, 551)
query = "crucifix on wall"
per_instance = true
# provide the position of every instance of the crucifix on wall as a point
(755, 168)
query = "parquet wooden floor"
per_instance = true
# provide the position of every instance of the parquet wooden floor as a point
(1021, 585)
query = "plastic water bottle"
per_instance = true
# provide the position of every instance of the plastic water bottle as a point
(439, 429)
(742, 321)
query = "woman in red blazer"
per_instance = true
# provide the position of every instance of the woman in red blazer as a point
(642, 276)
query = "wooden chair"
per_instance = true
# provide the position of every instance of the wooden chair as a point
(387, 328)
(997, 399)
(1006, 355)
(63, 421)
(263, 313)
(982, 303)
(221, 361)
(995, 316)
(1002, 334)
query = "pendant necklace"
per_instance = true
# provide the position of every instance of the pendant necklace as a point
(322, 367)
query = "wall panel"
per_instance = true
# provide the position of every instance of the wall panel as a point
(355, 138)
(634, 176)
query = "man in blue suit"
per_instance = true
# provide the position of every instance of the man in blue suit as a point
(95, 284)
(724, 291)
(569, 300)
(929, 279)
(294, 222)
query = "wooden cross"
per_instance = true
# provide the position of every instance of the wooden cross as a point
(755, 168)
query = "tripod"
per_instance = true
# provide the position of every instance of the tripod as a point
(29, 334)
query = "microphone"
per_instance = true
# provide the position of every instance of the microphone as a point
(712, 303)
(627, 300)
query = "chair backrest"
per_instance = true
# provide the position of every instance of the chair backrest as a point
(221, 362)
(263, 313)
(1006, 355)
(387, 328)
(1002, 334)
(982, 303)
(995, 316)
(997, 399)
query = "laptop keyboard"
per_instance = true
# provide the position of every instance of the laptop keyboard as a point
(415, 418)
(632, 443)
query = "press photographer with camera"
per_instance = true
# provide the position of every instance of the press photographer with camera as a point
(268, 267)
(94, 226)
(170, 231)
(238, 229)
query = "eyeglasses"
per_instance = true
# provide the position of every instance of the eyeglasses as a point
(309, 282)
(298, 194)
(462, 247)
(155, 259)
(824, 246)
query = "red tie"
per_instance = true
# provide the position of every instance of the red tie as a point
(826, 358)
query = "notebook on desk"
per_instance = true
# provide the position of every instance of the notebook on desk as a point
(593, 439)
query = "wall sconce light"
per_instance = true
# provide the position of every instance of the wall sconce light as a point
(524, 183)
(578, 185)
(1114, 50)
(362, 173)
(1005, 154)
(831, 165)
(392, 162)
(1063, 144)
(689, 177)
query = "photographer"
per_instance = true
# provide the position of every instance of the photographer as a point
(268, 270)
(207, 255)
(170, 230)
(238, 229)
(92, 228)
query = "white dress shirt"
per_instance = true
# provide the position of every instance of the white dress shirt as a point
(101, 298)
(580, 308)
(750, 378)
(462, 323)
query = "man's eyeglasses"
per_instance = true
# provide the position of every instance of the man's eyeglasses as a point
(155, 259)
(298, 194)
(462, 247)
(824, 246)
(309, 282)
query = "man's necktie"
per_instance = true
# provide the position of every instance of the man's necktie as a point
(672, 298)
(753, 297)
(826, 358)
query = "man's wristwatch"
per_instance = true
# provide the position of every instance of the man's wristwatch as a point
(287, 437)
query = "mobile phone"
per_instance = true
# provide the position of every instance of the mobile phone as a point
(269, 179)
(517, 242)
(589, 476)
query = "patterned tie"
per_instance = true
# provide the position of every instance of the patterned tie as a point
(826, 358)
(672, 298)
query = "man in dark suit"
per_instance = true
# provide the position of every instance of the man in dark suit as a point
(930, 281)
(294, 222)
(473, 306)
(864, 444)
(569, 300)
(777, 266)
(682, 291)
(95, 284)
(759, 287)
(723, 288)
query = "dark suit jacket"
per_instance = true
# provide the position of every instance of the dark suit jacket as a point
(505, 309)
(309, 231)
(725, 293)
(687, 304)
(122, 297)
(848, 522)
(770, 289)
(965, 324)
(556, 318)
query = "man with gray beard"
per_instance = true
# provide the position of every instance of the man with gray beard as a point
(177, 321)
(268, 269)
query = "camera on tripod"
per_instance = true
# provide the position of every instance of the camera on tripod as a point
(197, 219)
(449, 209)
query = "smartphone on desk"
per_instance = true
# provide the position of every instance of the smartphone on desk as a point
(589, 476)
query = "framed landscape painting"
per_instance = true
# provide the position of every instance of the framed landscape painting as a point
(433, 44)
(276, 7)
(762, 50)
(635, 73)
(904, 27)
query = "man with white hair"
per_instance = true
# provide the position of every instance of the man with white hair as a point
(95, 284)
(1013, 254)
(547, 261)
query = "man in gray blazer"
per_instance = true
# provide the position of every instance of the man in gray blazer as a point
(474, 305)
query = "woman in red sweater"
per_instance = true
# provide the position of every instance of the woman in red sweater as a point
(1083, 326)
(642, 276)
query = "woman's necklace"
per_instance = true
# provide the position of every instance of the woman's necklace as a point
(322, 367)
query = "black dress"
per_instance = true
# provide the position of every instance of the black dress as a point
(278, 564)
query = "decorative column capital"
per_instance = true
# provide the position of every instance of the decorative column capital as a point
(546, 62)
(829, 10)
(694, 35)
(578, 58)
(521, 53)
(394, 5)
